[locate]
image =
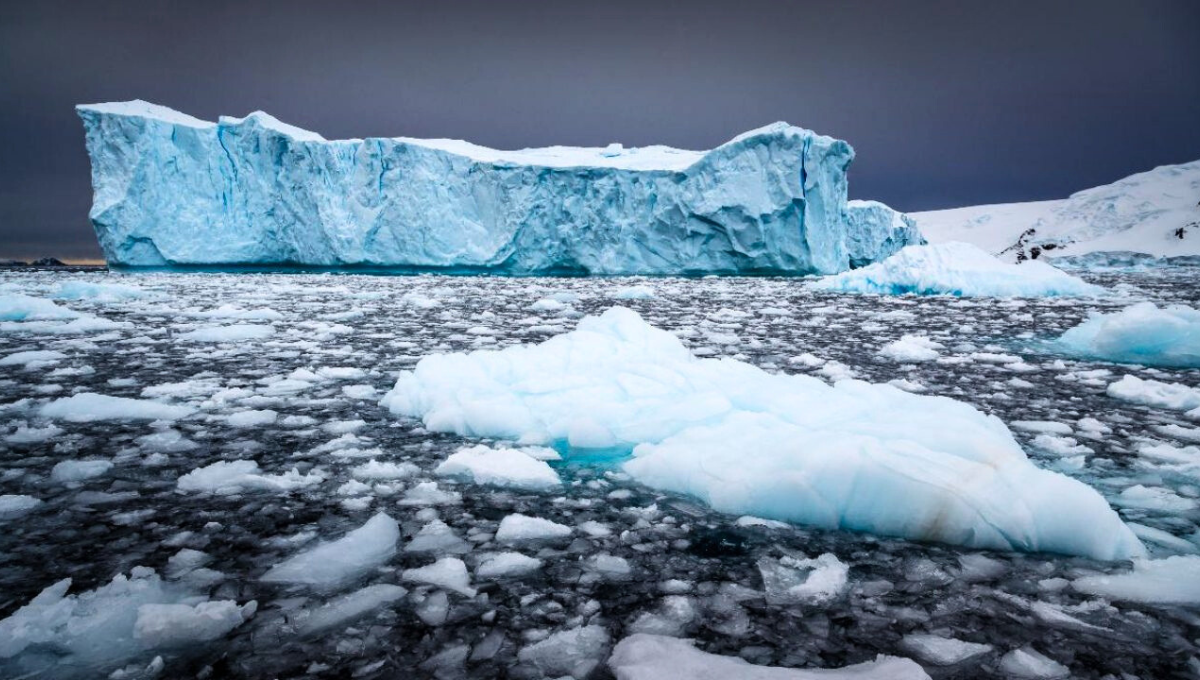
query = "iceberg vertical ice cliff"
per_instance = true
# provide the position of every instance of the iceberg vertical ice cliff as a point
(173, 190)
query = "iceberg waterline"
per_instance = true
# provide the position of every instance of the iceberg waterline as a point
(853, 456)
(172, 190)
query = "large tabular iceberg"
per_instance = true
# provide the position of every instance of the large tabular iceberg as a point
(172, 190)
(956, 269)
(854, 455)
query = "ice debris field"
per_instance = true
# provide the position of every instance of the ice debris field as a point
(325, 476)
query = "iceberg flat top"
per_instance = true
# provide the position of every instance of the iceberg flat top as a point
(656, 157)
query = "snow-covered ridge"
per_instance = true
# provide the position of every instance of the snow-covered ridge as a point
(615, 155)
(1155, 212)
(173, 190)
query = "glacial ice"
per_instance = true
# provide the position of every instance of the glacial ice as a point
(174, 190)
(335, 562)
(235, 476)
(347, 608)
(499, 467)
(1027, 663)
(656, 657)
(89, 406)
(517, 528)
(575, 653)
(1174, 579)
(942, 651)
(1172, 396)
(448, 572)
(957, 269)
(854, 456)
(1142, 333)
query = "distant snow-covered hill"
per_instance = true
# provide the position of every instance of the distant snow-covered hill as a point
(1155, 212)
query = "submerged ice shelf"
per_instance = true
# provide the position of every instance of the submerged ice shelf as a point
(172, 190)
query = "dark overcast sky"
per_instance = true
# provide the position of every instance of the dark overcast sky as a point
(946, 103)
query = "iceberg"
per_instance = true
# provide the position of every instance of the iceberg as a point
(1139, 334)
(957, 269)
(853, 456)
(173, 190)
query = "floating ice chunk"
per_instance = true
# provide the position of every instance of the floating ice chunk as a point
(612, 567)
(98, 292)
(1045, 426)
(18, 307)
(32, 358)
(499, 467)
(174, 625)
(634, 293)
(516, 528)
(166, 441)
(1173, 396)
(360, 391)
(437, 537)
(89, 406)
(347, 608)
(813, 581)
(13, 506)
(79, 470)
(1154, 498)
(673, 615)
(852, 456)
(1170, 580)
(428, 493)
(575, 652)
(251, 418)
(109, 624)
(32, 435)
(1028, 663)
(386, 470)
(911, 348)
(235, 476)
(1139, 334)
(449, 573)
(336, 562)
(235, 333)
(507, 565)
(657, 657)
(956, 269)
(941, 651)
(232, 312)
(751, 521)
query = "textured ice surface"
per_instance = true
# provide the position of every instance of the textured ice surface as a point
(1173, 579)
(499, 467)
(955, 269)
(346, 558)
(693, 570)
(173, 190)
(655, 657)
(89, 406)
(854, 456)
(1140, 334)
(942, 651)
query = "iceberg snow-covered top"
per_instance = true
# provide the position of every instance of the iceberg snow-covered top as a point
(614, 155)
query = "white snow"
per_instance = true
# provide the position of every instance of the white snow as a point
(517, 527)
(336, 562)
(957, 269)
(501, 467)
(853, 456)
(448, 572)
(1140, 334)
(1139, 213)
(657, 657)
(1173, 579)
(89, 406)
(235, 476)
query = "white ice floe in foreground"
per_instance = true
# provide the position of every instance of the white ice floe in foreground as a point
(335, 562)
(1140, 334)
(499, 467)
(89, 406)
(119, 620)
(956, 269)
(854, 456)
(657, 657)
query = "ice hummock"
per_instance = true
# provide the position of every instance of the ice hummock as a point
(854, 456)
(1143, 333)
(171, 190)
(956, 269)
